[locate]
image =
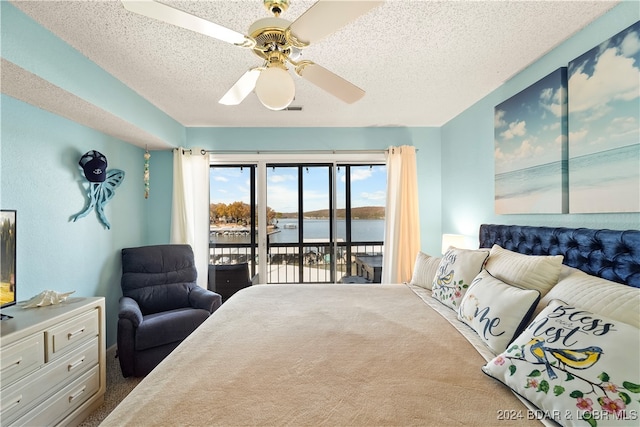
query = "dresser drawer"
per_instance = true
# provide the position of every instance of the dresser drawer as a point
(78, 329)
(54, 409)
(21, 358)
(19, 398)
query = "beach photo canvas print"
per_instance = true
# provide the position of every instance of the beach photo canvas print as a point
(531, 149)
(604, 134)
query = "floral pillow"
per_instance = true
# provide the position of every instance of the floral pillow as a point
(457, 268)
(576, 367)
(497, 311)
(424, 270)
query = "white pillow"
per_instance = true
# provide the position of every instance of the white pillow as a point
(575, 366)
(497, 311)
(528, 271)
(457, 268)
(601, 296)
(424, 270)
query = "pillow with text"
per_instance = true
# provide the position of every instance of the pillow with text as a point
(457, 268)
(577, 367)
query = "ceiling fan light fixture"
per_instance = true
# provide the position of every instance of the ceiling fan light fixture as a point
(275, 88)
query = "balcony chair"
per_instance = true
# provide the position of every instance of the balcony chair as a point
(161, 305)
(227, 279)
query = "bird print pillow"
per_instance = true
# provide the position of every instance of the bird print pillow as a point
(578, 368)
(457, 268)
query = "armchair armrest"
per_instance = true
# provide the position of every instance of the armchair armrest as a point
(204, 299)
(129, 309)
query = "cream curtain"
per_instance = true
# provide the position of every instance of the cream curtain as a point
(402, 224)
(190, 206)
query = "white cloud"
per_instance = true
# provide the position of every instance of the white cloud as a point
(375, 196)
(527, 149)
(360, 174)
(630, 44)
(624, 128)
(527, 154)
(614, 78)
(554, 101)
(282, 198)
(560, 139)
(498, 119)
(546, 94)
(577, 136)
(281, 178)
(220, 179)
(515, 129)
(624, 123)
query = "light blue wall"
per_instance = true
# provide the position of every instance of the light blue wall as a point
(158, 212)
(42, 180)
(37, 50)
(468, 143)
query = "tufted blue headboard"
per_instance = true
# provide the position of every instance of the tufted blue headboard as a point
(610, 254)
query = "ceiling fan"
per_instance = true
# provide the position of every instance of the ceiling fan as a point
(277, 42)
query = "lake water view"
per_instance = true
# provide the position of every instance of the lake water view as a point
(362, 230)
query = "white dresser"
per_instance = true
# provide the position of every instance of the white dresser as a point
(52, 363)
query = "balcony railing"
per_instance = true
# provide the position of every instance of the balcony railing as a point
(309, 262)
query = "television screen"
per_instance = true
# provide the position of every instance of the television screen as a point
(7, 258)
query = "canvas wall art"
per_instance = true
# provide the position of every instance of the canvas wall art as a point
(531, 149)
(604, 133)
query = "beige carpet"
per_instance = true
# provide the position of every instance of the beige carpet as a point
(118, 388)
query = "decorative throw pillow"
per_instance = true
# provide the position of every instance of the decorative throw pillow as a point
(457, 268)
(497, 311)
(576, 367)
(424, 270)
(614, 300)
(528, 271)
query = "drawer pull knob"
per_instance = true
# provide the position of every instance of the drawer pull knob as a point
(76, 394)
(15, 402)
(72, 335)
(75, 364)
(13, 364)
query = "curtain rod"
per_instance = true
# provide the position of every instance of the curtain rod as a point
(203, 151)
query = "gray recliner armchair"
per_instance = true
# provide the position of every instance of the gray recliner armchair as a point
(161, 305)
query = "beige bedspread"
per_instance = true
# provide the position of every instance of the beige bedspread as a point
(322, 355)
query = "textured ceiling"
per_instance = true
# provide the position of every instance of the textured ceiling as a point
(420, 62)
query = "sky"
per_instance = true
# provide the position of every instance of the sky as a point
(368, 187)
(528, 126)
(604, 92)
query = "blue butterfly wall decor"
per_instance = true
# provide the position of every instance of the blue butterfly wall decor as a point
(102, 185)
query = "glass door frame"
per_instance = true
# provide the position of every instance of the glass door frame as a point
(332, 158)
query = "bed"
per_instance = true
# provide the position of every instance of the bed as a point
(395, 354)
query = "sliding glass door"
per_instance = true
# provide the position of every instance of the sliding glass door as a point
(323, 222)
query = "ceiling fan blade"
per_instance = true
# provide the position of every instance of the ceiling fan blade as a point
(328, 16)
(179, 18)
(332, 83)
(241, 88)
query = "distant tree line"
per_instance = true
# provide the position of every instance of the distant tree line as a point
(240, 213)
(363, 212)
(235, 213)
